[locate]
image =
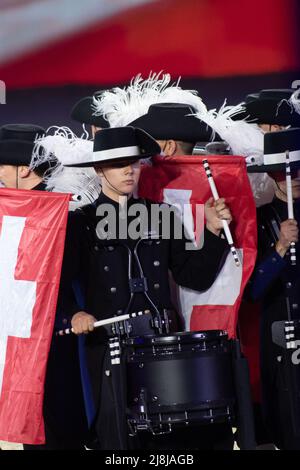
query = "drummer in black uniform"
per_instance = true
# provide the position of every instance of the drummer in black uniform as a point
(125, 274)
(275, 282)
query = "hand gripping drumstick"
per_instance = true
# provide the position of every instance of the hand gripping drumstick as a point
(107, 321)
(225, 223)
(290, 201)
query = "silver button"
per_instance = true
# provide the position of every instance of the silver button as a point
(87, 227)
(119, 312)
(111, 248)
(96, 248)
(106, 268)
(107, 373)
(158, 243)
(288, 285)
(261, 271)
(156, 263)
(113, 289)
(274, 260)
(156, 286)
(294, 306)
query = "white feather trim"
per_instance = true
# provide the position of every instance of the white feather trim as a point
(120, 106)
(295, 100)
(83, 182)
(244, 138)
(68, 149)
(262, 188)
(64, 145)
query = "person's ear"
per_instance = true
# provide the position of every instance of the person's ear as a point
(24, 171)
(99, 171)
(171, 148)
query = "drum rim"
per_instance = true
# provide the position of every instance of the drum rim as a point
(178, 337)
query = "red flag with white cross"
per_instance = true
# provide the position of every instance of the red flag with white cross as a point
(182, 181)
(32, 236)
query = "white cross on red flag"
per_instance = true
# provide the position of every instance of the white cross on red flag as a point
(32, 235)
(182, 180)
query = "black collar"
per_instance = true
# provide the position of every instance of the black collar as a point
(39, 187)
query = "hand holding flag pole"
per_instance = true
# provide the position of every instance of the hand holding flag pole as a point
(290, 202)
(225, 223)
(107, 321)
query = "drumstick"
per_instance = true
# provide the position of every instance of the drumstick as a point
(107, 321)
(225, 223)
(290, 201)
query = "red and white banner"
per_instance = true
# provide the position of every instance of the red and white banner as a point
(32, 235)
(182, 181)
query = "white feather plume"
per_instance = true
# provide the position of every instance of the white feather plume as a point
(295, 100)
(262, 188)
(68, 149)
(120, 106)
(64, 145)
(244, 138)
(83, 182)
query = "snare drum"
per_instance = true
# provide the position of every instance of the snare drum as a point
(179, 379)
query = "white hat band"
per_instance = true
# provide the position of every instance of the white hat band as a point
(279, 158)
(121, 152)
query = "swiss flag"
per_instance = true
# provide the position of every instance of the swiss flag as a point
(32, 235)
(183, 181)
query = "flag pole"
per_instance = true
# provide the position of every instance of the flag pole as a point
(290, 201)
(225, 223)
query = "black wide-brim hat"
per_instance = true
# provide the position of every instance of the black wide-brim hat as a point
(83, 112)
(16, 152)
(270, 107)
(275, 146)
(165, 121)
(28, 132)
(120, 144)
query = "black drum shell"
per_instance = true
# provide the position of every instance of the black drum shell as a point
(180, 372)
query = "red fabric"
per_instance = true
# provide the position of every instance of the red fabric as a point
(232, 183)
(189, 39)
(39, 259)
